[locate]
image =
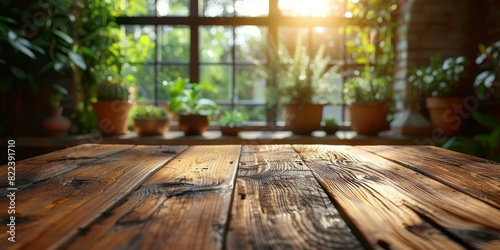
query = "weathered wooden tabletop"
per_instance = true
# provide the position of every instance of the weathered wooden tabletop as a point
(251, 197)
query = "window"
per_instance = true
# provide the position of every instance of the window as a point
(218, 41)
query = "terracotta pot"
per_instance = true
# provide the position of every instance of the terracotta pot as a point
(56, 124)
(303, 119)
(369, 118)
(193, 124)
(112, 116)
(331, 130)
(444, 115)
(230, 131)
(151, 126)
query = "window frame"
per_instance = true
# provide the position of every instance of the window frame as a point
(273, 21)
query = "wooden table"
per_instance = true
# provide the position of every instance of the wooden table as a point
(252, 197)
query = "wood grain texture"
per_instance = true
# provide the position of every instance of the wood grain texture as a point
(394, 207)
(40, 168)
(453, 169)
(279, 205)
(185, 205)
(69, 202)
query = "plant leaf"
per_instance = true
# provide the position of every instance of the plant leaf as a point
(78, 60)
(63, 36)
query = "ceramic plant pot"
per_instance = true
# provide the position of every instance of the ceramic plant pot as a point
(193, 124)
(56, 124)
(112, 116)
(151, 126)
(369, 118)
(444, 116)
(303, 119)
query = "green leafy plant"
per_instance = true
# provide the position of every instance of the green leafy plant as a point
(233, 119)
(370, 44)
(366, 88)
(58, 95)
(439, 78)
(43, 39)
(297, 77)
(150, 111)
(331, 123)
(485, 145)
(186, 98)
(489, 61)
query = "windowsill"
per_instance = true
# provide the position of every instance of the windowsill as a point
(214, 137)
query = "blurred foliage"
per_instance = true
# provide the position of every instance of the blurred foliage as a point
(370, 42)
(150, 111)
(232, 118)
(485, 145)
(36, 43)
(186, 98)
(440, 78)
(488, 80)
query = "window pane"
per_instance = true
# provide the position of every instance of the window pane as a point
(331, 39)
(175, 42)
(289, 35)
(215, 44)
(251, 43)
(220, 76)
(251, 8)
(254, 113)
(172, 7)
(313, 8)
(136, 7)
(250, 85)
(140, 43)
(214, 8)
(143, 77)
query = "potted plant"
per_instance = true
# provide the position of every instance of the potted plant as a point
(186, 100)
(368, 99)
(301, 83)
(487, 83)
(232, 122)
(440, 83)
(330, 127)
(485, 144)
(112, 107)
(56, 124)
(151, 120)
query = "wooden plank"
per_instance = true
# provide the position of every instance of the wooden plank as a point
(279, 205)
(453, 169)
(52, 212)
(394, 207)
(185, 205)
(42, 167)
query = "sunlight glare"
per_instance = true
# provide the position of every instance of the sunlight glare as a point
(314, 8)
(252, 8)
(163, 7)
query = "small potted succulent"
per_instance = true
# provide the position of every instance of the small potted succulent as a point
(112, 107)
(232, 122)
(186, 100)
(330, 127)
(151, 120)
